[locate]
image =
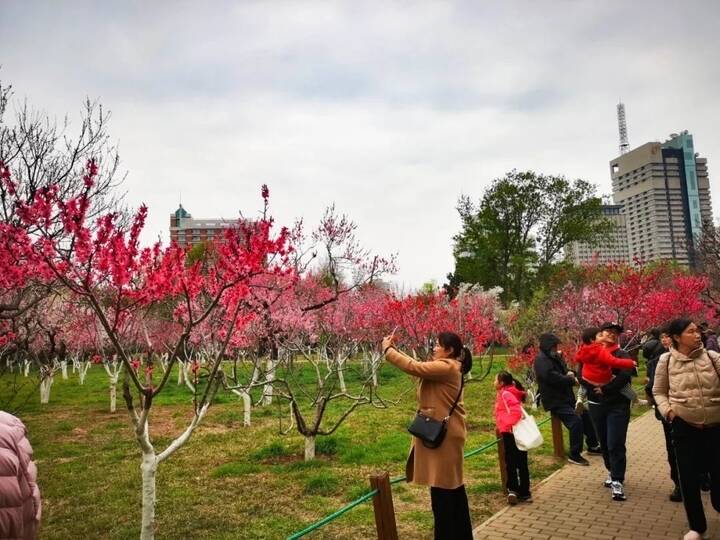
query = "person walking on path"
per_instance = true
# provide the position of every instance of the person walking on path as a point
(508, 412)
(555, 383)
(20, 507)
(441, 468)
(658, 344)
(687, 393)
(710, 339)
(609, 410)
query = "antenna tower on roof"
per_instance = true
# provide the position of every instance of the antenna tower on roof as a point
(622, 128)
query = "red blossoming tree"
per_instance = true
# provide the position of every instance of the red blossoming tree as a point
(105, 268)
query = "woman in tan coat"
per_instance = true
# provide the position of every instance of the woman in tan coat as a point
(440, 468)
(687, 395)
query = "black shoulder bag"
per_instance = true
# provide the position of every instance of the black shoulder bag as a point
(432, 432)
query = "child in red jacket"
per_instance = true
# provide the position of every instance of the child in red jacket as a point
(508, 412)
(597, 362)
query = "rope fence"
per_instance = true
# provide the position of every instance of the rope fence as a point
(374, 492)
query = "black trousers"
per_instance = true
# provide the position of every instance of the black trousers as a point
(670, 452)
(451, 513)
(611, 425)
(516, 467)
(591, 440)
(574, 424)
(695, 450)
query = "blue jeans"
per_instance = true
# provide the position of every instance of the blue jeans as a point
(574, 424)
(611, 425)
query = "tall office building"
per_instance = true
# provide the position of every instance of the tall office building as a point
(612, 248)
(187, 231)
(665, 193)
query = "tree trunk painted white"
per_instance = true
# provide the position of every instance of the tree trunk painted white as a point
(63, 367)
(181, 373)
(267, 396)
(187, 367)
(149, 471)
(164, 361)
(113, 395)
(256, 371)
(82, 371)
(247, 405)
(114, 375)
(375, 359)
(45, 385)
(26, 367)
(309, 447)
(341, 373)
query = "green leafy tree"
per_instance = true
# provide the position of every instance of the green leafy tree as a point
(515, 236)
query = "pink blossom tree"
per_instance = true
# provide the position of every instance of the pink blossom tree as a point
(106, 268)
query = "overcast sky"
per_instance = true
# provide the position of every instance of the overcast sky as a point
(391, 110)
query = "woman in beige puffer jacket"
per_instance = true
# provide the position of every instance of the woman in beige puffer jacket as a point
(19, 493)
(687, 394)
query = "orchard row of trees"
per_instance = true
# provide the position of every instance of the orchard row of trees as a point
(77, 288)
(270, 313)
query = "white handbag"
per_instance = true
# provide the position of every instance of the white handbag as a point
(526, 432)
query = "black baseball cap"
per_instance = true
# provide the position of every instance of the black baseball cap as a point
(612, 326)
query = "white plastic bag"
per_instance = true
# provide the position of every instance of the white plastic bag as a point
(527, 434)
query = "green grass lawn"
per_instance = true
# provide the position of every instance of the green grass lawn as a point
(235, 482)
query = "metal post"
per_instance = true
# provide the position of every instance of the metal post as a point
(557, 436)
(383, 507)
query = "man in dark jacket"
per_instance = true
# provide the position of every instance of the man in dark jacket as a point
(710, 339)
(652, 349)
(555, 382)
(610, 412)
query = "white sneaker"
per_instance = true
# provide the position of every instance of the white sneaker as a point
(692, 535)
(608, 481)
(618, 492)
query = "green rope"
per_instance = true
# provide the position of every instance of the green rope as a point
(374, 492)
(334, 515)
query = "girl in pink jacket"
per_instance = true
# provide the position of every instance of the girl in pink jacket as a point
(19, 493)
(508, 412)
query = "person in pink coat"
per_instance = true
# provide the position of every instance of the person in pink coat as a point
(508, 412)
(19, 492)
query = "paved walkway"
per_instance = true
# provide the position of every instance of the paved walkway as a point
(573, 503)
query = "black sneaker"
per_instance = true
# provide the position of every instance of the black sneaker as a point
(525, 498)
(512, 498)
(705, 483)
(595, 450)
(578, 460)
(676, 495)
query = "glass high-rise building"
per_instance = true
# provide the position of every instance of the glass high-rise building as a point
(665, 192)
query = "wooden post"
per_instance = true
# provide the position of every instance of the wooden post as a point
(501, 461)
(557, 435)
(383, 507)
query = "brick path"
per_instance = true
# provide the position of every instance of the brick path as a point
(573, 503)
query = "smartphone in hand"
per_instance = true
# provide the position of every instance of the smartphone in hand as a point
(393, 339)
